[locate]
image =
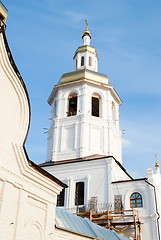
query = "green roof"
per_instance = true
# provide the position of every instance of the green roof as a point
(72, 223)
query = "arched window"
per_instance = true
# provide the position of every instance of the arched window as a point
(90, 61)
(136, 200)
(72, 105)
(79, 193)
(96, 105)
(82, 61)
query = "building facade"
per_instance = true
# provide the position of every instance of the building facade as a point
(84, 151)
(85, 111)
(28, 194)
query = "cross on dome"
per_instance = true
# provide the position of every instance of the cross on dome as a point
(85, 56)
(156, 164)
(86, 35)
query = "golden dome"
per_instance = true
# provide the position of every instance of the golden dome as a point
(156, 164)
(86, 32)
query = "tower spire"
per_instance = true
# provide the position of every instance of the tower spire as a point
(86, 24)
(156, 163)
(86, 35)
(85, 56)
(157, 170)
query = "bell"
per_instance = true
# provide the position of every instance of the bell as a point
(72, 102)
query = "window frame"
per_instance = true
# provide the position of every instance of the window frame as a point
(71, 112)
(137, 201)
(90, 61)
(82, 61)
(79, 200)
(98, 97)
(61, 198)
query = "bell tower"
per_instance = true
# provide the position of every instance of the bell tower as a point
(84, 111)
(85, 56)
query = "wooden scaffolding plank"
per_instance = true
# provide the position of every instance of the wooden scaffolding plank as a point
(119, 221)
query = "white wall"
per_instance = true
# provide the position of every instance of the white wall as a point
(147, 213)
(97, 176)
(27, 197)
(83, 134)
(62, 235)
(104, 179)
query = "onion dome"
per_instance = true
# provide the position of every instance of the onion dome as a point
(86, 32)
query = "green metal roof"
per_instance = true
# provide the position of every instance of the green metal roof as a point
(70, 222)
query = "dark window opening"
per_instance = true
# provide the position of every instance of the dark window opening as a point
(79, 193)
(72, 101)
(90, 61)
(136, 200)
(1, 18)
(76, 63)
(60, 198)
(95, 106)
(82, 61)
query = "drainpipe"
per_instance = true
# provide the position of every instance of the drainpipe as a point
(156, 207)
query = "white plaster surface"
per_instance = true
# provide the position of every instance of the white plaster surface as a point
(83, 134)
(27, 197)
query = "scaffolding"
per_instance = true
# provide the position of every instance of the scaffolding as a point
(122, 221)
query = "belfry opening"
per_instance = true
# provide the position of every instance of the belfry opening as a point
(72, 105)
(95, 105)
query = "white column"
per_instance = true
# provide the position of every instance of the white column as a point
(54, 144)
(86, 192)
(76, 136)
(59, 104)
(70, 197)
(86, 59)
(109, 181)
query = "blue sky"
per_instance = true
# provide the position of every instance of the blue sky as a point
(43, 36)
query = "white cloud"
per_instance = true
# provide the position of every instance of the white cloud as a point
(76, 16)
(126, 143)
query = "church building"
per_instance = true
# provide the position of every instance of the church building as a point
(84, 152)
(28, 194)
